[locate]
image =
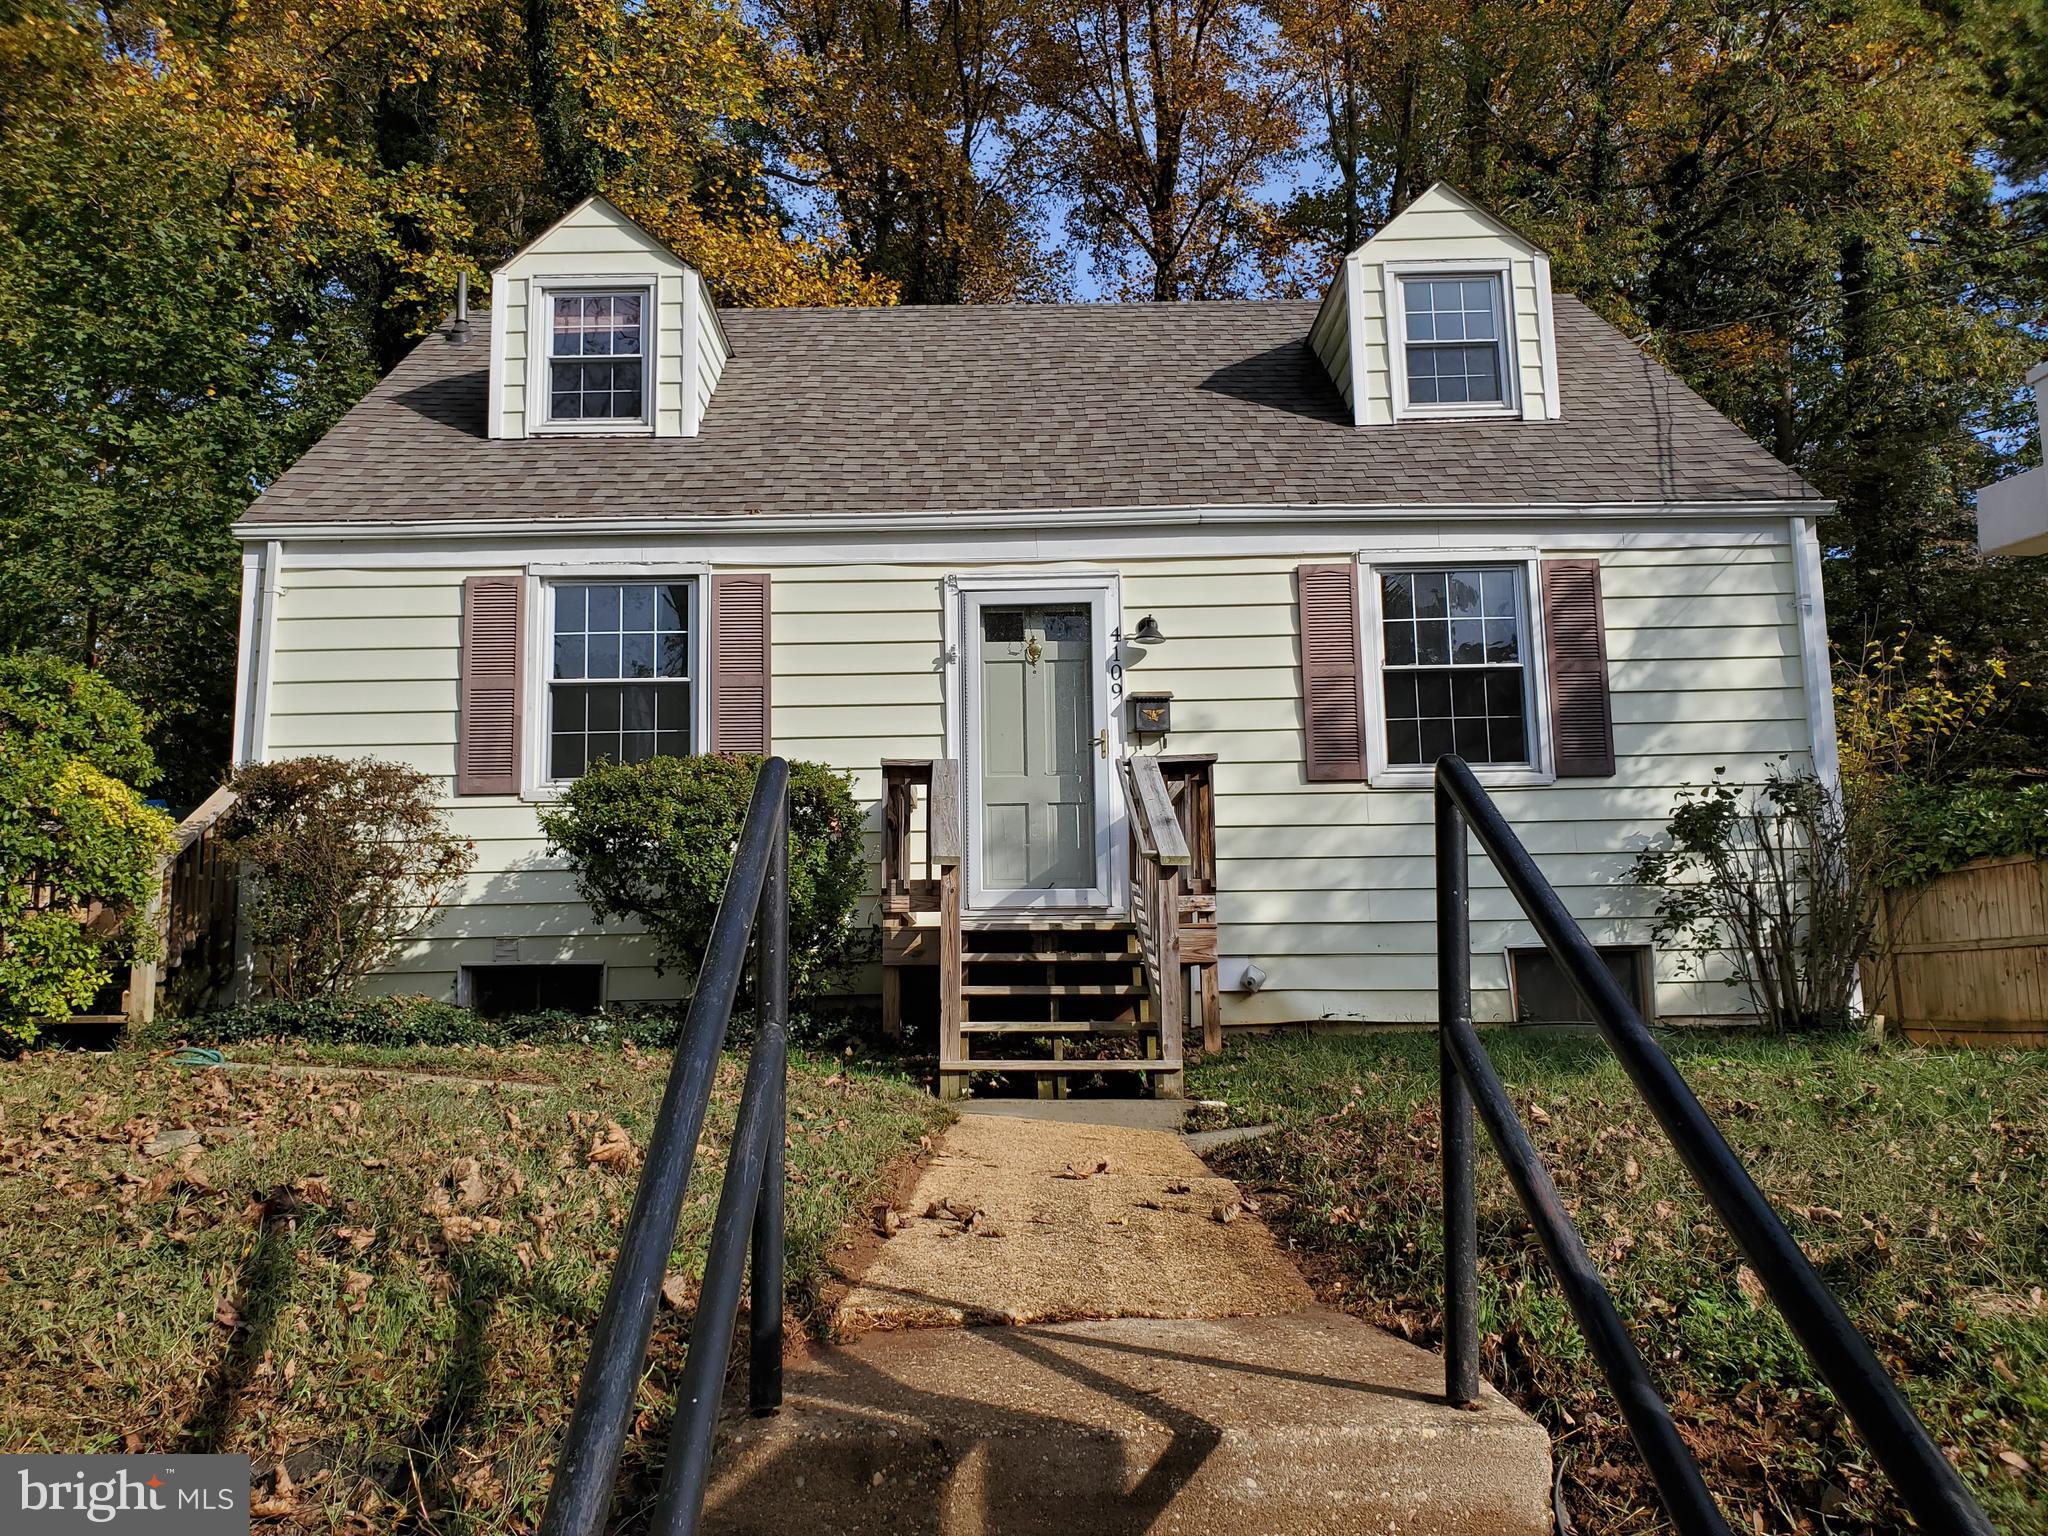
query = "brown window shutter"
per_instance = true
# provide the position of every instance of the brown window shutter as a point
(1333, 701)
(740, 671)
(487, 719)
(1575, 647)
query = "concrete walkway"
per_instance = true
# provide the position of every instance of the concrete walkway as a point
(1018, 1221)
(1165, 1369)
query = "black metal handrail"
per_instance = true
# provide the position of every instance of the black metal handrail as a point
(750, 1206)
(1925, 1480)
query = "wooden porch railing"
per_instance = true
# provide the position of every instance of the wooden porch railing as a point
(921, 886)
(1159, 849)
(1191, 785)
(193, 912)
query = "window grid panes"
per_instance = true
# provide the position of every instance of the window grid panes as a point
(1454, 664)
(619, 678)
(1453, 340)
(597, 357)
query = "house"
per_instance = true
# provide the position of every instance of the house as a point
(2012, 514)
(979, 557)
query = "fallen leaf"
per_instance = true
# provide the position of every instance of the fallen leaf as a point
(1100, 1165)
(2016, 1461)
(1539, 1114)
(465, 1180)
(1752, 1288)
(614, 1149)
(1176, 1188)
(887, 1221)
(1226, 1213)
(226, 1314)
(675, 1291)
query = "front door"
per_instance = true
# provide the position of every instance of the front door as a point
(1039, 753)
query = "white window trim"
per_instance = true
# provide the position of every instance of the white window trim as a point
(1379, 773)
(534, 782)
(1502, 271)
(540, 328)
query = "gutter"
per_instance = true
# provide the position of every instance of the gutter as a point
(1026, 519)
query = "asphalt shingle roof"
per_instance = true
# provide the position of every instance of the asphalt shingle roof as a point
(1024, 407)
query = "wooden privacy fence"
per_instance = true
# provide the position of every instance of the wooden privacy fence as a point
(1963, 958)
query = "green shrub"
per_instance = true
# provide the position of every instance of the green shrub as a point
(79, 851)
(426, 1021)
(1937, 827)
(381, 1021)
(347, 861)
(64, 708)
(655, 841)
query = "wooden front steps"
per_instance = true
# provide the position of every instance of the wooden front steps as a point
(1077, 984)
(1103, 992)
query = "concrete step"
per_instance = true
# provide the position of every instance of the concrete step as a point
(1307, 1422)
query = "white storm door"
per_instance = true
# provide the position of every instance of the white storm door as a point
(1038, 748)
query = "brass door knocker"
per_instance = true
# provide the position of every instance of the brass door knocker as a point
(1033, 650)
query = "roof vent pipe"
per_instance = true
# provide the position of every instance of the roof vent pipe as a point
(460, 330)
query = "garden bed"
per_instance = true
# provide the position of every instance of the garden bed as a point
(381, 1279)
(1917, 1181)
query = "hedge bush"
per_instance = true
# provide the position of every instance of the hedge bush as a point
(426, 1021)
(654, 841)
(75, 838)
(416, 1021)
(347, 861)
(1938, 827)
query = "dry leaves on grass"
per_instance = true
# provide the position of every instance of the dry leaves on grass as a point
(613, 1148)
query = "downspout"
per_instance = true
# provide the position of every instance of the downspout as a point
(259, 628)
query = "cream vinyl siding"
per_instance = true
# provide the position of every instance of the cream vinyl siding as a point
(712, 351)
(365, 662)
(593, 243)
(1330, 336)
(1327, 886)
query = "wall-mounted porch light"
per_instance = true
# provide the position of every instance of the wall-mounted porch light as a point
(1148, 632)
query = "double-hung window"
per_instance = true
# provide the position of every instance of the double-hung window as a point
(1455, 672)
(1453, 339)
(597, 356)
(621, 683)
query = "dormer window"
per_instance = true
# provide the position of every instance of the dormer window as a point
(1453, 331)
(597, 357)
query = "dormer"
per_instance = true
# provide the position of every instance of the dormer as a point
(1442, 315)
(598, 329)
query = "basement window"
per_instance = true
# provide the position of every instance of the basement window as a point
(1543, 994)
(499, 991)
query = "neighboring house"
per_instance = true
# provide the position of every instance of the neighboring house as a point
(2012, 514)
(1444, 510)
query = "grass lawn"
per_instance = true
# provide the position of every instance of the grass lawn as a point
(1917, 1181)
(384, 1283)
